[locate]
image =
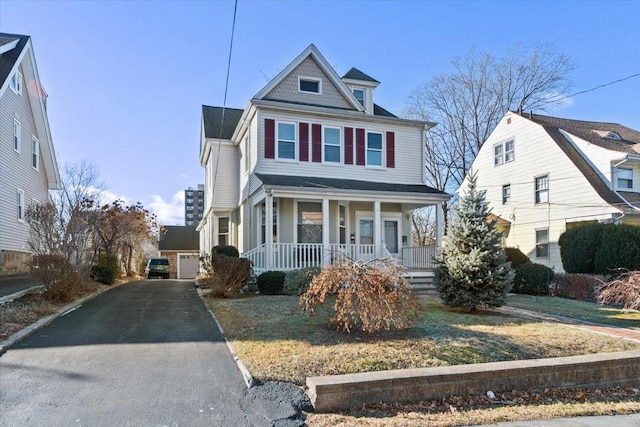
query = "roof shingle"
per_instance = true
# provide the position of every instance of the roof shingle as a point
(179, 238)
(213, 123)
(355, 74)
(9, 58)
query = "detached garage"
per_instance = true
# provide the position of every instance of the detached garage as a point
(180, 244)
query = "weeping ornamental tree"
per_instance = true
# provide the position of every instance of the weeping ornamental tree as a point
(471, 269)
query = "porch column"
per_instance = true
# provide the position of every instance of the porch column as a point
(377, 229)
(325, 232)
(268, 229)
(439, 224)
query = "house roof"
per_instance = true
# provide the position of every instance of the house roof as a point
(213, 123)
(586, 130)
(179, 238)
(379, 111)
(355, 74)
(500, 222)
(8, 59)
(343, 184)
(593, 132)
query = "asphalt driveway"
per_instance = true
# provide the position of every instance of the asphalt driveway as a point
(16, 283)
(146, 353)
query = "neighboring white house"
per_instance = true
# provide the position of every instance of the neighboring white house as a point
(313, 170)
(28, 168)
(544, 174)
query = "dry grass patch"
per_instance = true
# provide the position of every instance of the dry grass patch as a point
(279, 342)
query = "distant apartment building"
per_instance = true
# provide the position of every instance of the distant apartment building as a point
(193, 205)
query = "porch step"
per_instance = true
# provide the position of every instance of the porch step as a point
(422, 282)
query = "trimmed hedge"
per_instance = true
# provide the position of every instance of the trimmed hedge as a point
(582, 287)
(271, 282)
(516, 256)
(297, 282)
(225, 250)
(600, 248)
(532, 279)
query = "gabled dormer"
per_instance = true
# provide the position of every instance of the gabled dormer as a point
(362, 87)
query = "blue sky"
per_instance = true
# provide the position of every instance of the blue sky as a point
(126, 80)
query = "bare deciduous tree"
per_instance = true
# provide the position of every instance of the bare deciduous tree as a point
(469, 102)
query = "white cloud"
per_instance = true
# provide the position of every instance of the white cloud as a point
(168, 213)
(184, 175)
(107, 197)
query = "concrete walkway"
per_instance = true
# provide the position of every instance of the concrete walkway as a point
(632, 420)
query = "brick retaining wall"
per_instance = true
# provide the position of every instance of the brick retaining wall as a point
(341, 392)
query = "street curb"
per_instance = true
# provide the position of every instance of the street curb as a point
(24, 333)
(246, 375)
(20, 294)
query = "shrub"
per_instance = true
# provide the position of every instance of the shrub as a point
(271, 282)
(60, 279)
(619, 249)
(532, 279)
(297, 282)
(581, 287)
(103, 274)
(227, 276)
(578, 247)
(225, 250)
(624, 291)
(516, 257)
(370, 296)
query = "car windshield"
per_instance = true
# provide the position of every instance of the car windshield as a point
(159, 262)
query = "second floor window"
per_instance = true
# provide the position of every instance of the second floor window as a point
(374, 149)
(286, 141)
(503, 153)
(332, 145)
(506, 194)
(509, 152)
(35, 153)
(625, 178)
(17, 130)
(542, 189)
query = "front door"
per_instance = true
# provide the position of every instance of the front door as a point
(391, 235)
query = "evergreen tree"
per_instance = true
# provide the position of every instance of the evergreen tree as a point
(472, 270)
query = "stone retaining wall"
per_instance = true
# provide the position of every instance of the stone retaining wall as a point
(341, 392)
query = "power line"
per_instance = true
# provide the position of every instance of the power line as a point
(224, 102)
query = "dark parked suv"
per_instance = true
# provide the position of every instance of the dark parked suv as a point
(157, 267)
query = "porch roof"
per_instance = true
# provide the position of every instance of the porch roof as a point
(317, 183)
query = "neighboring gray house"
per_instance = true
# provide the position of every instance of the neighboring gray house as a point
(28, 168)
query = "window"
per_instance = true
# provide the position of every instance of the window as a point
(189, 208)
(247, 152)
(189, 193)
(343, 224)
(35, 153)
(16, 82)
(625, 178)
(506, 193)
(223, 231)
(359, 94)
(542, 243)
(509, 154)
(310, 85)
(190, 216)
(189, 201)
(286, 141)
(200, 202)
(309, 222)
(332, 145)
(274, 231)
(542, 189)
(189, 223)
(16, 134)
(374, 149)
(497, 155)
(20, 201)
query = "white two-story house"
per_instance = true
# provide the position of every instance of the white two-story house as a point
(28, 167)
(312, 171)
(544, 174)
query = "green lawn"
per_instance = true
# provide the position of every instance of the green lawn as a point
(581, 310)
(277, 341)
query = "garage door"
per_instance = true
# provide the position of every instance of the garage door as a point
(188, 266)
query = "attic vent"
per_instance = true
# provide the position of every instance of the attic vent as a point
(613, 135)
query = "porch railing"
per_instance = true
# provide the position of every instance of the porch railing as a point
(418, 257)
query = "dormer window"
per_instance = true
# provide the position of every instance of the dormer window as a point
(359, 94)
(625, 178)
(613, 135)
(16, 82)
(310, 85)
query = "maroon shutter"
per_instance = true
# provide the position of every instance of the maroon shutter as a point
(348, 146)
(316, 142)
(304, 142)
(391, 150)
(360, 147)
(269, 138)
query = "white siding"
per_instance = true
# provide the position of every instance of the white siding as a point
(16, 171)
(571, 197)
(223, 192)
(287, 89)
(408, 152)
